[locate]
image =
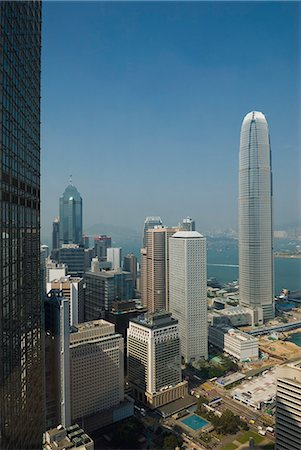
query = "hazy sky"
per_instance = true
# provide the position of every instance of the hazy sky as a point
(143, 103)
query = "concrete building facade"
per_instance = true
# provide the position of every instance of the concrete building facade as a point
(96, 369)
(154, 361)
(234, 342)
(73, 290)
(188, 292)
(288, 406)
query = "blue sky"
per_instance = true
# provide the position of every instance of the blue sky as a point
(143, 102)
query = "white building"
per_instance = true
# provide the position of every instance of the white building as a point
(288, 406)
(72, 288)
(188, 292)
(97, 375)
(255, 215)
(154, 359)
(114, 257)
(259, 391)
(234, 342)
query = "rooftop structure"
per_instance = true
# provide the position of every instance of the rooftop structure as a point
(234, 342)
(71, 438)
(258, 391)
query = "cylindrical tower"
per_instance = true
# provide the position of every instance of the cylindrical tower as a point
(255, 215)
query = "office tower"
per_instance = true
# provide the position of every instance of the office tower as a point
(57, 359)
(150, 222)
(154, 360)
(188, 292)
(157, 279)
(71, 216)
(44, 253)
(86, 241)
(101, 244)
(104, 287)
(73, 291)
(130, 265)
(70, 438)
(255, 215)
(188, 224)
(97, 375)
(54, 270)
(114, 257)
(55, 234)
(143, 276)
(288, 406)
(22, 413)
(73, 256)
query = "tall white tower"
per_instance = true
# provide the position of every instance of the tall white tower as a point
(188, 292)
(255, 215)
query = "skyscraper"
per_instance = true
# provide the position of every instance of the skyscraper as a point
(157, 269)
(288, 405)
(22, 412)
(55, 234)
(154, 361)
(150, 222)
(188, 292)
(255, 215)
(71, 216)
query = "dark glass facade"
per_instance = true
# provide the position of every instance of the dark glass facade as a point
(21, 343)
(71, 217)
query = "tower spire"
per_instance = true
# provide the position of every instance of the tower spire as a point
(70, 179)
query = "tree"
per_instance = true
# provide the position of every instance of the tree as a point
(171, 442)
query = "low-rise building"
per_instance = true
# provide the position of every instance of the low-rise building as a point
(257, 392)
(234, 342)
(70, 438)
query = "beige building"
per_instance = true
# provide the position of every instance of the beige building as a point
(154, 360)
(72, 288)
(143, 276)
(71, 438)
(97, 374)
(157, 268)
(288, 406)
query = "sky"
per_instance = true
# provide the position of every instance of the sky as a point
(142, 102)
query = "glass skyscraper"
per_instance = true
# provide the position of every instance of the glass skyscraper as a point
(71, 216)
(21, 348)
(255, 215)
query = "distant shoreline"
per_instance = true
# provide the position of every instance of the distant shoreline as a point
(286, 255)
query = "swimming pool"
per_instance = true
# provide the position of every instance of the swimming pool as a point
(195, 422)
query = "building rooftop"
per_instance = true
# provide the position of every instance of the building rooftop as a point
(260, 389)
(187, 234)
(61, 438)
(155, 320)
(240, 335)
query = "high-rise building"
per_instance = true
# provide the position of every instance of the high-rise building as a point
(101, 244)
(255, 215)
(22, 412)
(74, 257)
(154, 361)
(97, 375)
(55, 234)
(288, 406)
(157, 270)
(102, 288)
(71, 216)
(57, 359)
(150, 222)
(130, 265)
(73, 291)
(114, 257)
(188, 292)
(143, 276)
(188, 224)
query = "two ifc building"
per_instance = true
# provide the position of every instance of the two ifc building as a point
(255, 216)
